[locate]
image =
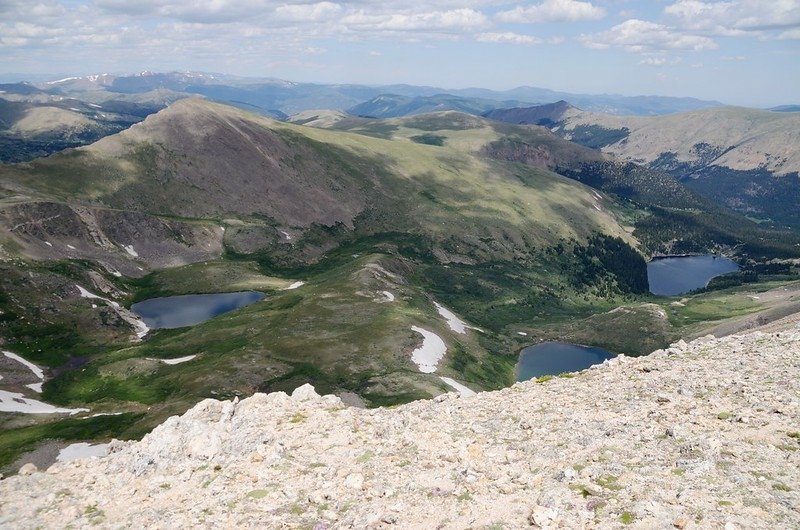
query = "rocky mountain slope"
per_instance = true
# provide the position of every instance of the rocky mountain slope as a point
(700, 435)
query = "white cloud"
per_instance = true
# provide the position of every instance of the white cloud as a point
(734, 18)
(508, 38)
(552, 11)
(456, 19)
(308, 12)
(660, 61)
(790, 34)
(642, 36)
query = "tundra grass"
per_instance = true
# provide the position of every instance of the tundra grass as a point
(14, 442)
(207, 277)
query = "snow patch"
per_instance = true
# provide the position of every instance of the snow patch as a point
(455, 323)
(522, 334)
(295, 285)
(62, 80)
(82, 450)
(286, 235)
(130, 250)
(389, 296)
(32, 367)
(95, 106)
(15, 402)
(49, 244)
(461, 389)
(177, 360)
(87, 294)
(70, 247)
(427, 356)
(139, 327)
(36, 387)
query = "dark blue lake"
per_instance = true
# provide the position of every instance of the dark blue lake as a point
(553, 358)
(671, 276)
(188, 310)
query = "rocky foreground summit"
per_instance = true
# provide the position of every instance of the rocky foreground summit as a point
(701, 435)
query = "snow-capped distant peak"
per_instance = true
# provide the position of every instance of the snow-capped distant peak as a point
(62, 80)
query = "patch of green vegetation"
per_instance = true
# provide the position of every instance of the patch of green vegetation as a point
(14, 442)
(429, 139)
(298, 417)
(595, 136)
(257, 494)
(713, 306)
(205, 277)
(627, 518)
(724, 416)
(365, 457)
(544, 378)
(609, 482)
(781, 487)
(464, 497)
(725, 503)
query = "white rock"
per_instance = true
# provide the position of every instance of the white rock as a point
(28, 469)
(305, 393)
(543, 517)
(354, 481)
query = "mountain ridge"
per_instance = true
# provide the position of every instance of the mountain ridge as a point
(292, 97)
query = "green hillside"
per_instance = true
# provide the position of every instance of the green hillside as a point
(442, 208)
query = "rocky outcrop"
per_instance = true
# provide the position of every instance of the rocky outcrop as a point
(121, 241)
(701, 435)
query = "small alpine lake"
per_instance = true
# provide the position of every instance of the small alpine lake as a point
(553, 358)
(677, 275)
(187, 310)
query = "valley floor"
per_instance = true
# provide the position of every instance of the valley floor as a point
(701, 435)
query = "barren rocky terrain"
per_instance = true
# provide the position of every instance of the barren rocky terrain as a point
(700, 435)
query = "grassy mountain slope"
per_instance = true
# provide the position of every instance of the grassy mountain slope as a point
(733, 137)
(394, 106)
(201, 160)
(350, 213)
(34, 123)
(744, 159)
(443, 207)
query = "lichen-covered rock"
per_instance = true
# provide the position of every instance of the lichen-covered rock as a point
(703, 435)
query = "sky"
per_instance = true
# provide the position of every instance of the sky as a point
(743, 52)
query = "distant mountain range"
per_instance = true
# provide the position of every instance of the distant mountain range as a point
(786, 108)
(277, 98)
(746, 159)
